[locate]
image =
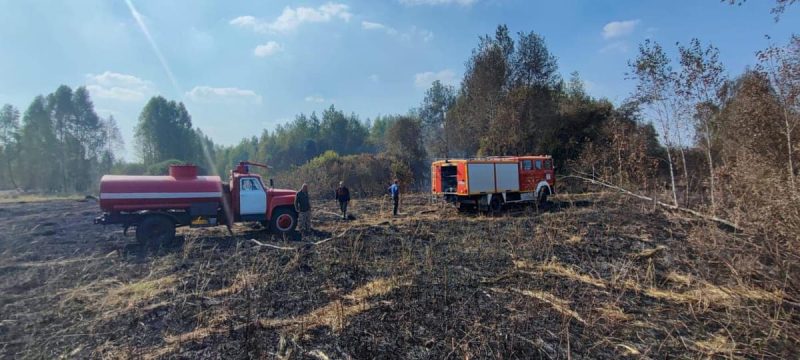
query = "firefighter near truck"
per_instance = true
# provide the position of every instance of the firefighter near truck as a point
(490, 183)
(157, 205)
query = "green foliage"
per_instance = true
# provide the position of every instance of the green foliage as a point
(364, 174)
(124, 168)
(439, 99)
(79, 134)
(404, 146)
(63, 145)
(165, 132)
(326, 157)
(295, 143)
(38, 149)
(377, 132)
(162, 168)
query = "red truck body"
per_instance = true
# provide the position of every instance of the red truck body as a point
(491, 182)
(155, 204)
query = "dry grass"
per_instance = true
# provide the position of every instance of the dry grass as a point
(716, 345)
(129, 295)
(553, 267)
(242, 280)
(27, 198)
(613, 313)
(334, 315)
(705, 294)
(558, 304)
(583, 279)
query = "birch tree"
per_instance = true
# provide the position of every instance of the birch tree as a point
(700, 84)
(654, 92)
(781, 65)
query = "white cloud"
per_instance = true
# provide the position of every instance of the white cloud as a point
(268, 49)
(438, 2)
(317, 99)
(116, 86)
(247, 21)
(367, 25)
(291, 18)
(619, 28)
(415, 32)
(374, 78)
(227, 95)
(425, 79)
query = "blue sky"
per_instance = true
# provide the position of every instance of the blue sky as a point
(242, 66)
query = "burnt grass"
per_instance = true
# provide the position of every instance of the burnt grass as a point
(591, 276)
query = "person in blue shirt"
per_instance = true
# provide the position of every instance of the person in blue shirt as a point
(394, 190)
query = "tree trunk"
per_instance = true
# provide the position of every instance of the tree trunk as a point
(710, 169)
(10, 173)
(789, 148)
(672, 178)
(685, 178)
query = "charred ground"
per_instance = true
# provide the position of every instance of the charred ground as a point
(594, 276)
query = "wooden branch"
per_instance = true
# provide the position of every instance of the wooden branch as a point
(662, 204)
(331, 238)
(258, 243)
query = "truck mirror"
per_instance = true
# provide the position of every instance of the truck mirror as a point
(271, 183)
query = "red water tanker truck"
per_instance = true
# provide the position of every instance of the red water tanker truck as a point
(156, 205)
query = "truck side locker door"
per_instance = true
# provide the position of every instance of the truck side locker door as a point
(252, 197)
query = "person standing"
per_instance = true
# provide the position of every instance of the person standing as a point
(343, 197)
(394, 190)
(302, 204)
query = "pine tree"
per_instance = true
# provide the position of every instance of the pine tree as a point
(38, 148)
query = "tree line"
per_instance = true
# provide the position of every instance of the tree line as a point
(59, 144)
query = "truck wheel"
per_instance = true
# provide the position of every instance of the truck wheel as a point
(155, 230)
(543, 198)
(496, 205)
(284, 220)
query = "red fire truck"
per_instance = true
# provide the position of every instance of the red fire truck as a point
(156, 205)
(489, 183)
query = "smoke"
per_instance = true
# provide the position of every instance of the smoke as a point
(138, 17)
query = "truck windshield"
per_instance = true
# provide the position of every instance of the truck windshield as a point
(249, 185)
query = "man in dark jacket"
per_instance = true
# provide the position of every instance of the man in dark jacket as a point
(343, 197)
(302, 204)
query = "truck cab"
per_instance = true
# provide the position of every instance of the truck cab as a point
(252, 200)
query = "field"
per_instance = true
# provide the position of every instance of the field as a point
(593, 276)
